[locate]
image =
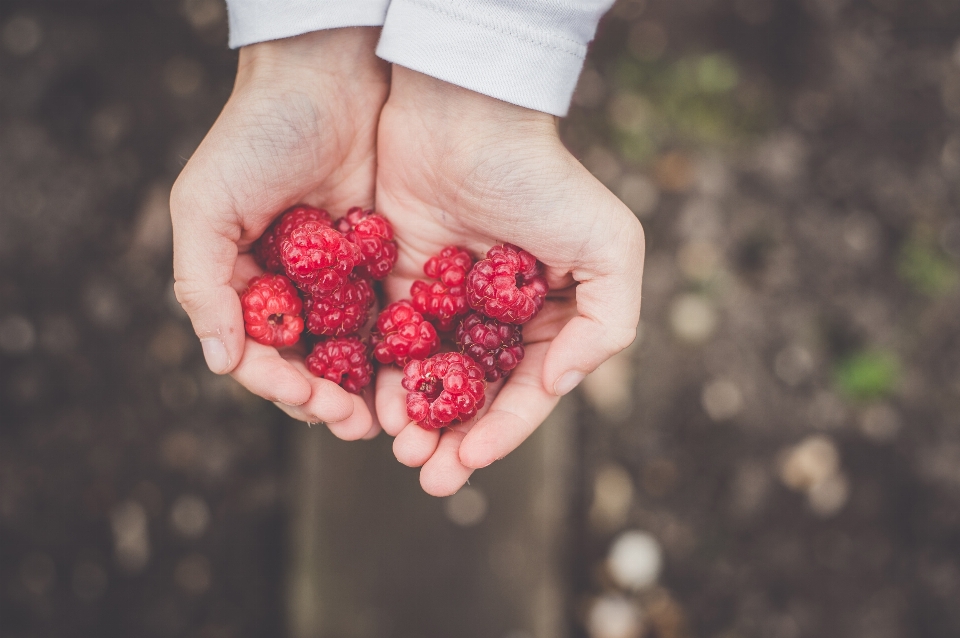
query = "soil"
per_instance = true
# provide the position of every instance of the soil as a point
(785, 427)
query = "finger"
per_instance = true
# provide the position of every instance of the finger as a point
(444, 474)
(355, 426)
(520, 407)
(372, 433)
(205, 238)
(265, 373)
(391, 400)
(346, 414)
(414, 446)
(608, 306)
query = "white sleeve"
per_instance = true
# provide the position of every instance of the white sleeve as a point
(526, 52)
(260, 20)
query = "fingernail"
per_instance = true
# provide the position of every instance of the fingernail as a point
(568, 382)
(215, 354)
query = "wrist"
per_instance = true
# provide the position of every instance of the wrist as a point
(343, 57)
(454, 109)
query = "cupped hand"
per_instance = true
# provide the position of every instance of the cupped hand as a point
(459, 168)
(300, 126)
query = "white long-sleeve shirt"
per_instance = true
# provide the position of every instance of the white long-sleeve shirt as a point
(526, 52)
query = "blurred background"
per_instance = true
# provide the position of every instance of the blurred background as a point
(778, 455)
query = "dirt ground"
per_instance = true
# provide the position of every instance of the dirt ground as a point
(777, 456)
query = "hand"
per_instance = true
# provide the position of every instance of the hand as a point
(457, 167)
(300, 126)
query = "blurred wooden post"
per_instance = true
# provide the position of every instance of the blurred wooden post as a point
(371, 555)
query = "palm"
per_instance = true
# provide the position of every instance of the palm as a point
(280, 140)
(444, 180)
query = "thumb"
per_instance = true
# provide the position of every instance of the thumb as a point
(608, 302)
(204, 257)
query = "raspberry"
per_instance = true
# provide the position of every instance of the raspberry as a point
(342, 360)
(508, 285)
(318, 257)
(403, 334)
(343, 311)
(267, 249)
(497, 347)
(374, 235)
(271, 311)
(442, 389)
(446, 299)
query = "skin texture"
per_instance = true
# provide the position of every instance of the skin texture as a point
(459, 168)
(300, 126)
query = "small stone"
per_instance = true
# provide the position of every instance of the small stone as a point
(202, 14)
(810, 463)
(612, 498)
(693, 318)
(131, 541)
(467, 507)
(21, 35)
(698, 260)
(614, 617)
(189, 516)
(828, 497)
(793, 365)
(880, 423)
(17, 335)
(722, 399)
(634, 560)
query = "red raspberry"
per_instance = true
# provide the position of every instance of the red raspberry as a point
(343, 311)
(446, 299)
(318, 257)
(271, 311)
(442, 389)
(374, 235)
(266, 250)
(342, 360)
(403, 334)
(508, 285)
(497, 347)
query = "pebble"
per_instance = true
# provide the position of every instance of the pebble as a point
(693, 318)
(614, 617)
(467, 507)
(131, 541)
(634, 560)
(21, 35)
(722, 399)
(810, 463)
(793, 365)
(698, 260)
(17, 335)
(612, 498)
(880, 423)
(190, 516)
(828, 497)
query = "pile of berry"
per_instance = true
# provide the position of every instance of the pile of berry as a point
(321, 275)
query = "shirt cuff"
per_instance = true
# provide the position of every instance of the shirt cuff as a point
(525, 53)
(261, 20)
